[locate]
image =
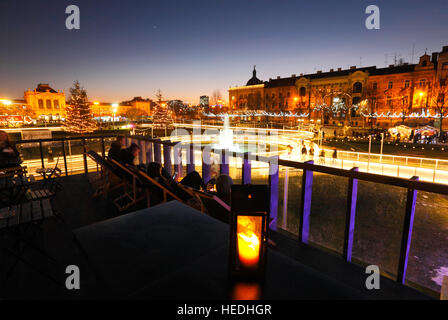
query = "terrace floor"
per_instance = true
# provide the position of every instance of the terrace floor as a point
(74, 203)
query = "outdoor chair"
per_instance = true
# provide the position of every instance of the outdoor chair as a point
(132, 190)
(109, 179)
(51, 176)
(152, 186)
(213, 206)
(17, 221)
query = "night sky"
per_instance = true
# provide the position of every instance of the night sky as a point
(189, 48)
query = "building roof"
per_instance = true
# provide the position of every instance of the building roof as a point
(44, 87)
(290, 81)
(254, 80)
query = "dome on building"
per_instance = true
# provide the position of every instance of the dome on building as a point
(254, 80)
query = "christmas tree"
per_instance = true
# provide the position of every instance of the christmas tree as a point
(162, 116)
(79, 117)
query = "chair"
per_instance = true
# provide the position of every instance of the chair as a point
(110, 177)
(213, 206)
(51, 175)
(129, 198)
(16, 220)
(151, 185)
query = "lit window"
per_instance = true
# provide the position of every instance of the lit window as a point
(390, 85)
(48, 104)
(407, 83)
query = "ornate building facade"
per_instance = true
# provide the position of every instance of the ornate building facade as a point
(46, 102)
(358, 97)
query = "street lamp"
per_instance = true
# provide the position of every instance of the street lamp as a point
(114, 111)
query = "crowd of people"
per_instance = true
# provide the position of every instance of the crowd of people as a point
(219, 186)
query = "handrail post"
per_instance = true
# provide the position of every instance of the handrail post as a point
(305, 205)
(190, 158)
(142, 155)
(206, 165)
(178, 159)
(103, 148)
(224, 166)
(352, 195)
(273, 192)
(149, 152)
(84, 148)
(41, 154)
(247, 169)
(167, 158)
(407, 233)
(157, 151)
(65, 158)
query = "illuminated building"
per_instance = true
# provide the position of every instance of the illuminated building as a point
(359, 97)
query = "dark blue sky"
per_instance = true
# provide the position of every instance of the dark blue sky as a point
(188, 48)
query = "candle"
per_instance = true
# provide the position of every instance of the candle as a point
(248, 249)
(248, 241)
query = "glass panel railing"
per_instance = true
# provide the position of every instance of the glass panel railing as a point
(328, 210)
(289, 196)
(428, 257)
(379, 225)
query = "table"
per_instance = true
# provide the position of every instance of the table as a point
(172, 251)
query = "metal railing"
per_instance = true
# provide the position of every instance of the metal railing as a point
(248, 166)
(69, 154)
(152, 151)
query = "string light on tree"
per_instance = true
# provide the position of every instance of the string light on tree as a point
(79, 117)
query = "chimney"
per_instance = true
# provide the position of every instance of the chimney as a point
(435, 55)
(445, 49)
(352, 67)
(301, 74)
(278, 77)
(339, 69)
(270, 79)
(331, 70)
(293, 75)
(391, 66)
(319, 71)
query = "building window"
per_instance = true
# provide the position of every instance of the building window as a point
(41, 104)
(407, 83)
(357, 87)
(288, 94)
(405, 100)
(56, 104)
(302, 91)
(375, 86)
(48, 104)
(422, 82)
(390, 85)
(389, 101)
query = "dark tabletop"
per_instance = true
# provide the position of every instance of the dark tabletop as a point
(172, 251)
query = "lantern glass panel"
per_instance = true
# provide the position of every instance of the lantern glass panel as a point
(249, 239)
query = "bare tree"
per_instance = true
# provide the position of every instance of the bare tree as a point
(439, 98)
